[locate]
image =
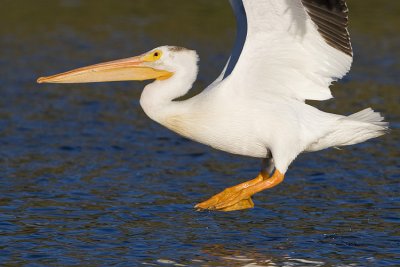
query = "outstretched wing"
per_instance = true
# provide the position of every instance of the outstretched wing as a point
(294, 48)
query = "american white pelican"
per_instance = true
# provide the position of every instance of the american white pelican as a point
(286, 51)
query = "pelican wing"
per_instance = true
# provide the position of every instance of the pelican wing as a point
(294, 48)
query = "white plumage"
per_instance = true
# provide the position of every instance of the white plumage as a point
(288, 51)
(284, 53)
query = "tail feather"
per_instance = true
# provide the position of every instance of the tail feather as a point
(361, 126)
(369, 115)
(354, 129)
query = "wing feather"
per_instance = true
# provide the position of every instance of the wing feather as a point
(331, 18)
(294, 48)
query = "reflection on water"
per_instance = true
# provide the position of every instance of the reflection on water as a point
(244, 261)
(86, 179)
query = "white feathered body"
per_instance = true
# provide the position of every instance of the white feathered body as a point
(259, 110)
(239, 123)
(287, 51)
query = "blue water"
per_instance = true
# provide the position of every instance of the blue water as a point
(86, 179)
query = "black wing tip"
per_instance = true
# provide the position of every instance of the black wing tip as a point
(331, 19)
(332, 5)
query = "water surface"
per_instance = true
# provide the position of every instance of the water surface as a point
(86, 179)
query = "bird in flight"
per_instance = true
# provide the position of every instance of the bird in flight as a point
(286, 51)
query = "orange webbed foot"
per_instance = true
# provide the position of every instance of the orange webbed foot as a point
(239, 197)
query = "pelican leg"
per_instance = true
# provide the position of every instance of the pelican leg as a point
(243, 204)
(232, 192)
(226, 203)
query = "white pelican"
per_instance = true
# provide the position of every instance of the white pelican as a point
(286, 51)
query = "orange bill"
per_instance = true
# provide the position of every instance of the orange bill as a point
(129, 69)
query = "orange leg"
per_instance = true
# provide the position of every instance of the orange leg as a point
(244, 204)
(239, 197)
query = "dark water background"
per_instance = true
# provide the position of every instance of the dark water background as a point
(87, 180)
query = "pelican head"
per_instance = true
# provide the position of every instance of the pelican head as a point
(160, 64)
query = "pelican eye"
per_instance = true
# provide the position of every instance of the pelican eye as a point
(153, 56)
(156, 55)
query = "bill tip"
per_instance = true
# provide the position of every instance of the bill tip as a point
(41, 80)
